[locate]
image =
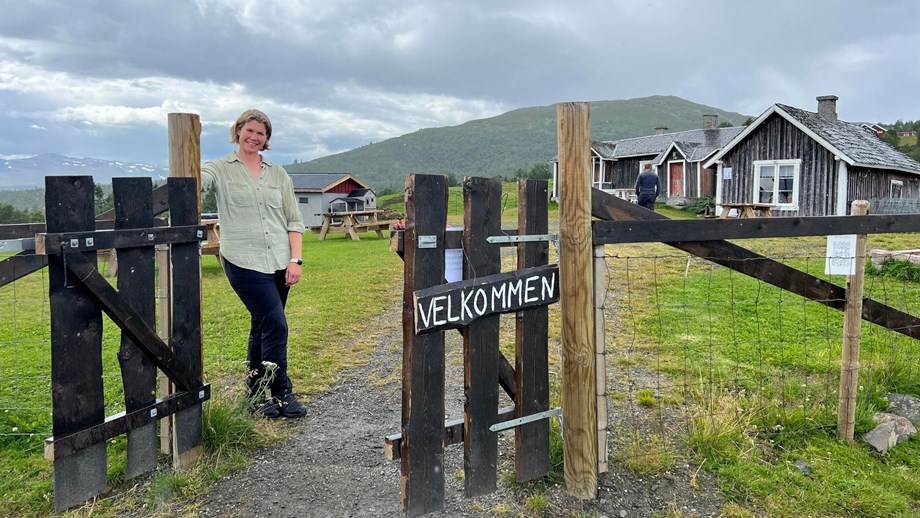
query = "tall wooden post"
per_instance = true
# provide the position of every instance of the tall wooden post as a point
(579, 386)
(422, 448)
(185, 162)
(852, 326)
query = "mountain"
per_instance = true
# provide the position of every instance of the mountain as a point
(26, 173)
(502, 145)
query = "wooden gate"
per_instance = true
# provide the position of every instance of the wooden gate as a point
(472, 306)
(79, 295)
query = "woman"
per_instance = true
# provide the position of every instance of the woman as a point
(261, 235)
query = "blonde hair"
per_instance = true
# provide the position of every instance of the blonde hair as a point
(251, 115)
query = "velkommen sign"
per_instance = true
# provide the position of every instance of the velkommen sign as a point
(457, 304)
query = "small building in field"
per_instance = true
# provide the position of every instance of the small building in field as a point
(811, 163)
(676, 157)
(330, 192)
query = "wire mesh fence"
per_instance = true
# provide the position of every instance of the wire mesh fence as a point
(701, 358)
(25, 354)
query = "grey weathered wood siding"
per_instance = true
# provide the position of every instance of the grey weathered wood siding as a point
(625, 172)
(868, 184)
(777, 139)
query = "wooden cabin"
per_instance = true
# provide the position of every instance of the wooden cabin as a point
(676, 157)
(811, 163)
(330, 192)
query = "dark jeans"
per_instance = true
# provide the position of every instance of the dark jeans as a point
(265, 296)
(647, 201)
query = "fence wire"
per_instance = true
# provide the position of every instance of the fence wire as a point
(701, 358)
(25, 355)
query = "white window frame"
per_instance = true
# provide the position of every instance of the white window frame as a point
(891, 186)
(796, 181)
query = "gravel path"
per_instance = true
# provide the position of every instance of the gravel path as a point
(333, 463)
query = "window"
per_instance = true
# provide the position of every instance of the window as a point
(896, 187)
(777, 182)
(304, 200)
(601, 178)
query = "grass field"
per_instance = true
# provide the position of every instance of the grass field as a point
(753, 368)
(343, 281)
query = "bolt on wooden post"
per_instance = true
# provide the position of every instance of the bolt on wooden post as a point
(579, 388)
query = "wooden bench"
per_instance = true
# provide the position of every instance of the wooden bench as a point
(352, 222)
(746, 210)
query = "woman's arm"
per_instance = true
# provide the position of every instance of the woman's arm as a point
(294, 270)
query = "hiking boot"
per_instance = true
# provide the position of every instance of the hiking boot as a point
(289, 406)
(267, 408)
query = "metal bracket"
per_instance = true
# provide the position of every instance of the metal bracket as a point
(526, 419)
(427, 241)
(522, 239)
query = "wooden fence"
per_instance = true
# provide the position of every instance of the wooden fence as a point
(68, 244)
(473, 306)
(79, 295)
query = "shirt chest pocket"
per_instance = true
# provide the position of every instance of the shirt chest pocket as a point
(239, 195)
(273, 197)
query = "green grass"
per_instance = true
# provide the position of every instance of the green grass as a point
(345, 283)
(759, 369)
(753, 372)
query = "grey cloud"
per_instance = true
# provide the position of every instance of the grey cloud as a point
(340, 74)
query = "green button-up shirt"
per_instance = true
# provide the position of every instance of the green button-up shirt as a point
(255, 216)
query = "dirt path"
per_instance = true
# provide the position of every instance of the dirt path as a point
(333, 464)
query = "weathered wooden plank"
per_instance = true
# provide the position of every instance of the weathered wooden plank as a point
(422, 455)
(668, 231)
(579, 392)
(461, 303)
(453, 434)
(85, 274)
(852, 325)
(20, 230)
(186, 315)
(506, 376)
(125, 422)
(531, 359)
(136, 270)
(482, 218)
(76, 333)
(56, 243)
(18, 266)
(763, 268)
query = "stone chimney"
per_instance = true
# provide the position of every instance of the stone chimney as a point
(661, 130)
(827, 106)
(710, 121)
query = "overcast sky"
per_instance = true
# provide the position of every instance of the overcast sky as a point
(97, 78)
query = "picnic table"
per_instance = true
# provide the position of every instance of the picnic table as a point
(351, 222)
(746, 209)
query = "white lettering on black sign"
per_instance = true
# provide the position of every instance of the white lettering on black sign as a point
(458, 303)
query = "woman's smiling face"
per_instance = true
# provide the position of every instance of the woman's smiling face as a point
(253, 136)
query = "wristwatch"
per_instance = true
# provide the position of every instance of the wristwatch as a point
(297, 261)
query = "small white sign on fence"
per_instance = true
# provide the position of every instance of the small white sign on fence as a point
(841, 255)
(453, 264)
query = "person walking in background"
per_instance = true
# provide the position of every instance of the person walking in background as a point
(261, 237)
(647, 187)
